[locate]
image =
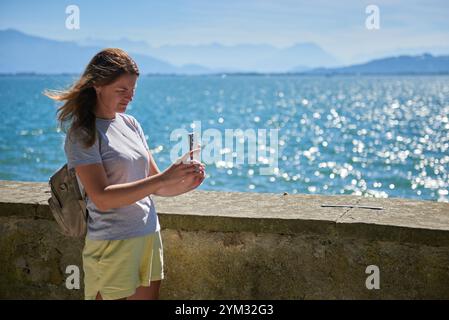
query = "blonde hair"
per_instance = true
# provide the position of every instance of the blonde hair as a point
(80, 99)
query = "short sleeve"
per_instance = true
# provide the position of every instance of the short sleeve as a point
(77, 154)
(140, 132)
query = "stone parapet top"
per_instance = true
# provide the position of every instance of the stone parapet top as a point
(400, 219)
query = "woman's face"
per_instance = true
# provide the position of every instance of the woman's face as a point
(116, 96)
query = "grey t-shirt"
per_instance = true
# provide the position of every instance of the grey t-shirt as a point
(123, 151)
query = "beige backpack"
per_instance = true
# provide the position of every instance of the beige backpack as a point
(67, 203)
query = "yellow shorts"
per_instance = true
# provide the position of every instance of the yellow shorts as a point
(115, 268)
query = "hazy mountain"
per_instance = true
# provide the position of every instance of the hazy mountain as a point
(247, 57)
(433, 50)
(425, 63)
(20, 52)
(141, 47)
(194, 69)
(241, 57)
(214, 55)
(300, 56)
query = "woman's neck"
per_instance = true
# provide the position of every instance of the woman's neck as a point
(104, 113)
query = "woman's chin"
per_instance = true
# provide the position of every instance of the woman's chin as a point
(121, 108)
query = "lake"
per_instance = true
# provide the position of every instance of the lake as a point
(378, 136)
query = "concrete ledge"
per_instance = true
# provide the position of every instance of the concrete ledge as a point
(253, 233)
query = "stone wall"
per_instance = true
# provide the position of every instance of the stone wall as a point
(222, 245)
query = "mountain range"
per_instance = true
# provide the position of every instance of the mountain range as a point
(419, 64)
(23, 53)
(241, 57)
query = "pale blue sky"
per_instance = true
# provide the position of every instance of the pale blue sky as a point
(337, 26)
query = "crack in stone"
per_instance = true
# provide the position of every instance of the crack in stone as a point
(349, 209)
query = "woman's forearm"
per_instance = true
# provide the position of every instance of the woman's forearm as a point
(120, 195)
(173, 190)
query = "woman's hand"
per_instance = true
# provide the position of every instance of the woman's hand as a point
(185, 180)
(193, 181)
(179, 170)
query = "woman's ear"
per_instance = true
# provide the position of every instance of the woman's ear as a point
(97, 89)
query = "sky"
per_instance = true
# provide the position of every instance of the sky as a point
(336, 26)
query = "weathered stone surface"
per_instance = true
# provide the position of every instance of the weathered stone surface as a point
(33, 259)
(244, 265)
(222, 245)
(401, 220)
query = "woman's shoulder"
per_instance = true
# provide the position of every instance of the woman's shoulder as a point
(129, 119)
(73, 135)
(127, 116)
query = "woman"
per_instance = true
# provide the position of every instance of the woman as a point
(122, 256)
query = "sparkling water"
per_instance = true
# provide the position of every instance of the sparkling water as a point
(380, 136)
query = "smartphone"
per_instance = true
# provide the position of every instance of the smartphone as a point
(191, 144)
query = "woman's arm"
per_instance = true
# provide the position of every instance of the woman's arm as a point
(105, 196)
(154, 169)
(186, 185)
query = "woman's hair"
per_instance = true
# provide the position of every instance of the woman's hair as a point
(80, 99)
